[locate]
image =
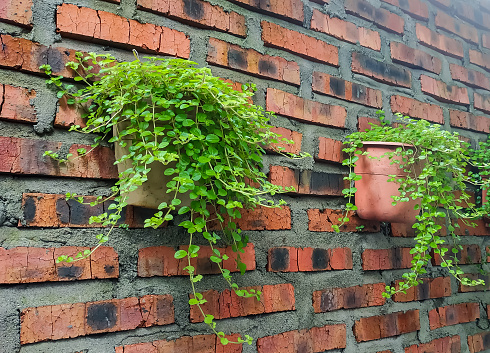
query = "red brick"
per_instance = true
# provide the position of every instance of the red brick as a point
(395, 324)
(439, 42)
(453, 315)
(482, 102)
(345, 30)
(330, 150)
(16, 104)
(350, 91)
(457, 27)
(322, 221)
(264, 218)
(469, 254)
(440, 345)
(30, 265)
(53, 211)
(471, 13)
(348, 298)
(201, 13)
(227, 304)
(289, 259)
(416, 109)
(160, 261)
(56, 322)
(380, 17)
(480, 59)
(292, 106)
(485, 38)
(291, 9)
(185, 344)
(406, 230)
(444, 93)
(311, 48)
(380, 71)
(400, 53)
(291, 135)
(430, 288)
(386, 259)
(442, 3)
(24, 156)
(314, 340)
(470, 77)
(85, 23)
(416, 8)
(479, 342)
(68, 115)
(479, 230)
(16, 12)
(248, 60)
(307, 181)
(365, 123)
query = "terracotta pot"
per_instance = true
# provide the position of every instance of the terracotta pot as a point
(152, 192)
(373, 197)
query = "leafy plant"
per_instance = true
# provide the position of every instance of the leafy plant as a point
(436, 162)
(210, 136)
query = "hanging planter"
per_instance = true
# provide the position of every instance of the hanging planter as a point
(373, 198)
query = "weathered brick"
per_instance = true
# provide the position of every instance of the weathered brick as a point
(264, 218)
(480, 59)
(291, 135)
(482, 102)
(185, 344)
(380, 17)
(314, 340)
(297, 43)
(430, 288)
(85, 23)
(479, 229)
(16, 12)
(439, 42)
(56, 322)
(16, 104)
(348, 298)
(406, 230)
(445, 4)
(471, 13)
(380, 71)
(53, 211)
(350, 91)
(456, 26)
(469, 254)
(443, 92)
(453, 315)
(290, 9)
(248, 60)
(416, 109)
(30, 265)
(395, 324)
(470, 77)
(330, 150)
(322, 221)
(386, 259)
(400, 53)
(415, 8)
(198, 12)
(365, 123)
(345, 31)
(25, 156)
(440, 345)
(479, 342)
(290, 105)
(289, 259)
(478, 288)
(68, 115)
(160, 261)
(224, 305)
(307, 181)
(25, 55)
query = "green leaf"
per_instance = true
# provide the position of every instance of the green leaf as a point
(179, 254)
(212, 138)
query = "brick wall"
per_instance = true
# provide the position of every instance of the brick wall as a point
(325, 67)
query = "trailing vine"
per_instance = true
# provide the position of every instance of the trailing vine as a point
(436, 162)
(209, 136)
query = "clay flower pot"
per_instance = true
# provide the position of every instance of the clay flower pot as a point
(373, 197)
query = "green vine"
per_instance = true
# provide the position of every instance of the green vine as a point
(436, 165)
(208, 135)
